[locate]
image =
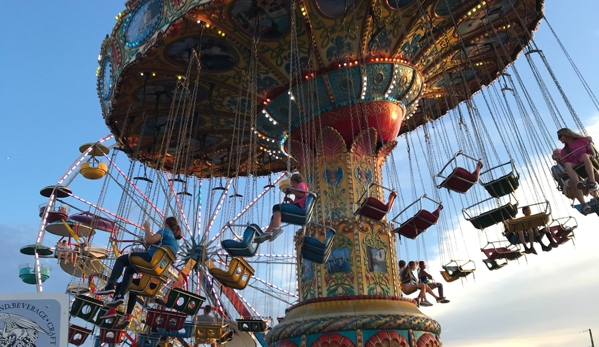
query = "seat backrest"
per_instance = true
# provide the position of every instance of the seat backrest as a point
(250, 233)
(392, 197)
(310, 200)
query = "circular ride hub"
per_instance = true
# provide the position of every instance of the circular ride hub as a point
(323, 87)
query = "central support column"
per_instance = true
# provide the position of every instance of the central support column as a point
(355, 298)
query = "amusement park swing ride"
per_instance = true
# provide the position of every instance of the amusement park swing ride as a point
(206, 98)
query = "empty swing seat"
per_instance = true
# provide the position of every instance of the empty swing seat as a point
(168, 320)
(492, 217)
(183, 301)
(502, 186)
(251, 325)
(493, 265)
(561, 234)
(85, 307)
(496, 253)
(161, 259)
(245, 247)
(148, 285)
(236, 276)
(454, 271)
(375, 209)
(94, 221)
(419, 223)
(111, 336)
(295, 215)
(317, 251)
(78, 334)
(461, 180)
(148, 340)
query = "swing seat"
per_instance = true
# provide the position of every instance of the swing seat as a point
(593, 204)
(409, 292)
(185, 333)
(245, 247)
(148, 340)
(454, 271)
(493, 265)
(236, 276)
(295, 215)
(461, 180)
(494, 216)
(581, 170)
(85, 307)
(78, 334)
(107, 323)
(94, 221)
(93, 172)
(419, 223)
(168, 320)
(251, 325)
(503, 185)
(317, 251)
(497, 253)
(527, 222)
(161, 259)
(376, 209)
(111, 336)
(148, 285)
(206, 333)
(183, 301)
(561, 234)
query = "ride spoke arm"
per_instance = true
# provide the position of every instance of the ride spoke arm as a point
(133, 185)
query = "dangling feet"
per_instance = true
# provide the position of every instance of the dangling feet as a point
(545, 248)
(530, 250)
(586, 209)
(117, 299)
(275, 233)
(109, 314)
(442, 300)
(124, 322)
(109, 289)
(425, 303)
(264, 236)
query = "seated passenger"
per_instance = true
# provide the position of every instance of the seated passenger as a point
(577, 150)
(427, 279)
(409, 282)
(519, 238)
(564, 182)
(300, 190)
(538, 236)
(167, 237)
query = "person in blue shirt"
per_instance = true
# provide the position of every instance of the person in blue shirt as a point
(167, 236)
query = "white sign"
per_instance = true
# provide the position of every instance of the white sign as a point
(34, 320)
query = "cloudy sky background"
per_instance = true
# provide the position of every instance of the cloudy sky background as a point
(50, 107)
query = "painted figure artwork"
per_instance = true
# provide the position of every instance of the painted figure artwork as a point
(333, 177)
(339, 261)
(106, 78)
(19, 331)
(397, 4)
(272, 17)
(307, 271)
(216, 55)
(143, 22)
(335, 8)
(180, 51)
(376, 259)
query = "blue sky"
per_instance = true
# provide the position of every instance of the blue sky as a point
(50, 107)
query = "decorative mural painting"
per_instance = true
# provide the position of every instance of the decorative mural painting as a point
(375, 258)
(339, 278)
(335, 203)
(308, 282)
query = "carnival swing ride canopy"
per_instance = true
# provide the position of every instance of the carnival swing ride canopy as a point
(266, 73)
(213, 89)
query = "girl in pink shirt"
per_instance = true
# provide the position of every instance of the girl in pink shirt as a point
(577, 150)
(300, 190)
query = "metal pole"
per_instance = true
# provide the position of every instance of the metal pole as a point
(591, 335)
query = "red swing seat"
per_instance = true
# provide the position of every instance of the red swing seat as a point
(375, 209)
(561, 230)
(420, 222)
(509, 251)
(460, 180)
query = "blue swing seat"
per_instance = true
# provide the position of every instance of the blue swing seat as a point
(245, 247)
(317, 251)
(295, 215)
